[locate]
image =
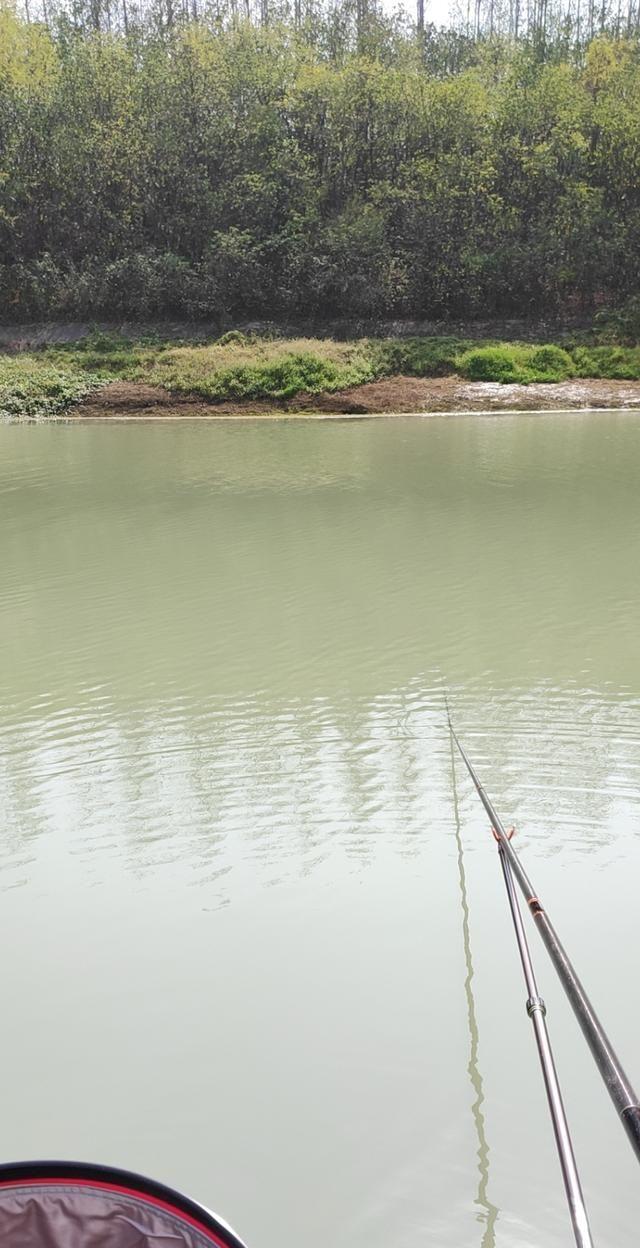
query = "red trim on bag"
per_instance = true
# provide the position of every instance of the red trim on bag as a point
(122, 1191)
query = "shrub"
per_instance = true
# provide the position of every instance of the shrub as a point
(490, 364)
(36, 390)
(418, 357)
(232, 335)
(280, 378)
(549, 364)
(259, 368)
(613, 363)
(620, 324)
(517, 363)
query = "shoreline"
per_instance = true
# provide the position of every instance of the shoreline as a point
(279, 417)
(391, 397)
(239, 378)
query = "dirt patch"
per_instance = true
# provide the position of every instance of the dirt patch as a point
(128, 400)
(420, 395)
(451, 394)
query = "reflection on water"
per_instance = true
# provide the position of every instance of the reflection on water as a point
(296, 780)
(229, 843)
(488, 1211)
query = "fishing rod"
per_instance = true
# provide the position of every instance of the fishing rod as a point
(616, 1082)
(536, 1010)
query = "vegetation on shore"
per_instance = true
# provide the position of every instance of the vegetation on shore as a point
(316, 160)
(241, 367)
(36, 387)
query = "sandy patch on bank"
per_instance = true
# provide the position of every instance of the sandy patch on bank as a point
(122, 400)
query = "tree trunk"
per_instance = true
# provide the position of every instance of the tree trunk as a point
(361, 15)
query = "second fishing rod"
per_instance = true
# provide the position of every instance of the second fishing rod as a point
(616, 1081)
(537, 1011)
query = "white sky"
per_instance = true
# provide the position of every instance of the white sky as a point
(436, 11)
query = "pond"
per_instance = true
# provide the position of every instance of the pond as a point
(255, 935)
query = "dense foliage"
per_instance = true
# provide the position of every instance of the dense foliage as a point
(229, 170)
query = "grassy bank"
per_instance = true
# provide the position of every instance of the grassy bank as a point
(241, 368)
(37, 387)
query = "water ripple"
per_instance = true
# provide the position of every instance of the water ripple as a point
(224, 654)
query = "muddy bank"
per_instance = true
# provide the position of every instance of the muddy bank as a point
(130, 401)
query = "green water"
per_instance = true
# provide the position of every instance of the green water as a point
(252, 945)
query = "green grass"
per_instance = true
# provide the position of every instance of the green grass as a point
(259, 368)
(512, 362)
(44, 382)
(417, 357)
(615, 363)
(519, 363)
(32, 387)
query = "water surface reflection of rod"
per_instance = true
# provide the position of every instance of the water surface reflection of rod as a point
(537, 1012)
(489, 1212)
(616, 1082)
